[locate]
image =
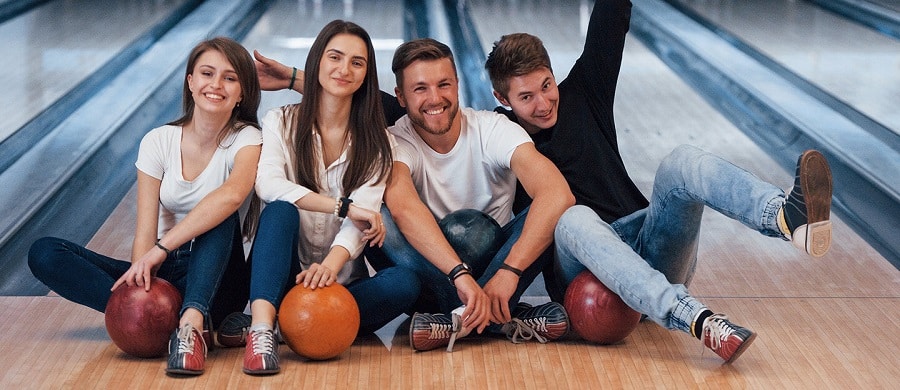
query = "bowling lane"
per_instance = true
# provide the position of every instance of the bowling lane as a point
(892, 5)
(286, 31)
(656, 111)
(52, 48)
(852, 62)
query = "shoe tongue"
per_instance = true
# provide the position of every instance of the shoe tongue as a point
(260, 327)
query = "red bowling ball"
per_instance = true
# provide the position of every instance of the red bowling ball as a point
(140, 322)
(597, 314)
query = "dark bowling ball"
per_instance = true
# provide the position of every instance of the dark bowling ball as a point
(140, 322)
(472, 234)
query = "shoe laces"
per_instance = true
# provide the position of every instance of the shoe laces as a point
(263, 341)
(718, 330)
(186, 339)
(519, 330)
(439, 331)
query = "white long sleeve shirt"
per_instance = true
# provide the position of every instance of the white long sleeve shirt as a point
(319, 232)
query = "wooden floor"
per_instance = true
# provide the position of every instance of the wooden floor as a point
(829, 323)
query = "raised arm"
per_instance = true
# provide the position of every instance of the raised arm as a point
(604, 44)
(421, 230)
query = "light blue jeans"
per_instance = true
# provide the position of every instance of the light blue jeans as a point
(649, 256)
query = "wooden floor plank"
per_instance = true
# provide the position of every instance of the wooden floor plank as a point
(804, 343)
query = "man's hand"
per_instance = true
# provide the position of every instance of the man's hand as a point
(499, 290)
(477, 313)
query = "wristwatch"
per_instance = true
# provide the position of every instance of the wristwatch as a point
(458, 271)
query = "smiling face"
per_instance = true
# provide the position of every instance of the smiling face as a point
(214, 84)
(343, 66)
(429, 91)
(534, 98)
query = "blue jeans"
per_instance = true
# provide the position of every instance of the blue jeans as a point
(276, 263)
(196, 269)
(648, 257)
(397, 251)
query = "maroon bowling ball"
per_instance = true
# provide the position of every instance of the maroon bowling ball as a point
(140, 322)
(597, 314)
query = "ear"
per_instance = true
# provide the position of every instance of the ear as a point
(501, 99)
(190, 82)
(399, 94)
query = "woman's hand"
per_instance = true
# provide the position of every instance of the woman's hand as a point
(317, 275)
(143, 269)
(369, 222)
(275, 76)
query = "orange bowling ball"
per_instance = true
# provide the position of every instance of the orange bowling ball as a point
(319, 324)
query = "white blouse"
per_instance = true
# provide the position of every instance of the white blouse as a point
(319, 232)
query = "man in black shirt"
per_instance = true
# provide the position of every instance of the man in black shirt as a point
(643, 251)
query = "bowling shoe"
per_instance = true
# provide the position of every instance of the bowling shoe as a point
(187, 351)
(233, 330)
(261, 352)
(805, 217)
(726, 339)
(544, 323)
(430, 331)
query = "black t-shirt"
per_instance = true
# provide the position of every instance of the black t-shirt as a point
(583, 143)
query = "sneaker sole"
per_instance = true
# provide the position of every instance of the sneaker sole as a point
(816, 183)
(261, 372)
(742, 348)
(181, 371)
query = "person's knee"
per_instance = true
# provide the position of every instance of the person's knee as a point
(404, 283)
(572, 217)
(279, 212)
(680, 158)
(40, 255)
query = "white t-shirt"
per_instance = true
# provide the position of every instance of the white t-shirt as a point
(160, 157)
(475, 174)
(319, 232)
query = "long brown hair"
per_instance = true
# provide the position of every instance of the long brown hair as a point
(369, 154)
(244, 114)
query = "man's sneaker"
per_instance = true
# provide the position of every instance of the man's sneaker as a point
(430, 331)
(545, 323)
(187, 352)
(807, 210)
(726, 339)
(233, 330)
(520, 308)
(261, 353)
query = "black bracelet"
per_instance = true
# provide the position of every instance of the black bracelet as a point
(459, 270)
(512, 269)
(160, 246)
(345, 207)
(293, 78)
